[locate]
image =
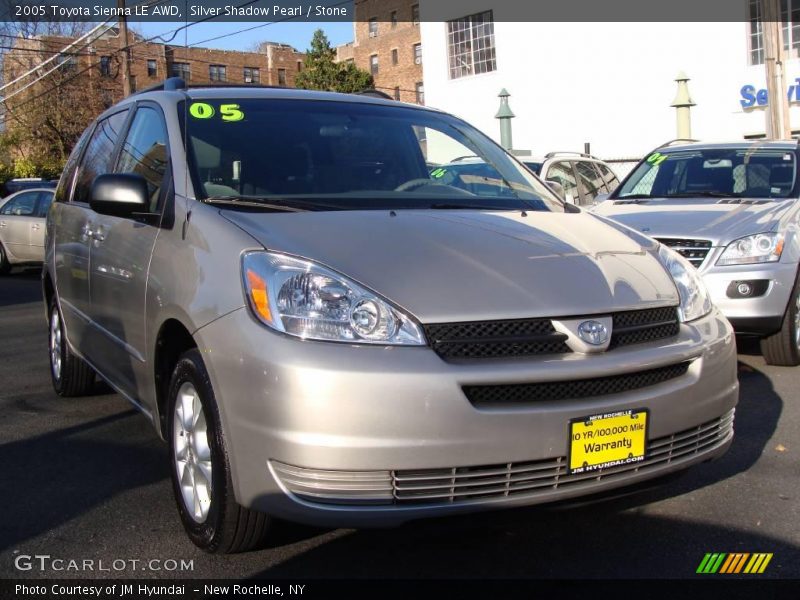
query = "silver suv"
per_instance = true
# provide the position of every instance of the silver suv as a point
(325, 333)
(732, 210)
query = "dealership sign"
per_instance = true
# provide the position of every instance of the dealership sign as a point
(752, 97)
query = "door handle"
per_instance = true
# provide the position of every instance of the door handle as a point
(35, 226)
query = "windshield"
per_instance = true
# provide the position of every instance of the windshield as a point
(325, 155)
(743, 172)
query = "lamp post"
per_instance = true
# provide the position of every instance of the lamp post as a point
(505, 115)
(683, 105)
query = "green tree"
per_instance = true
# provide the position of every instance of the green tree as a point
(322, 72)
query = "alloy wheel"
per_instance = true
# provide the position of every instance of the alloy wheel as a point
(55, 344)
(192, 453)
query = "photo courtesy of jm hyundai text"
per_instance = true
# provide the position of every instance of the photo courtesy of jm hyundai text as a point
(324, 332)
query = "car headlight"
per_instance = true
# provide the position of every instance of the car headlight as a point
(759, 248)
(695, 301)
(309, 301)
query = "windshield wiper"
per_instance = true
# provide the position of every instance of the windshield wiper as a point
(445, 206)
(254, 201)
(703, 194)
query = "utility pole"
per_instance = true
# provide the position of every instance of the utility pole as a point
(126, 52)
(778, 126)
(505, 115)
(683, 104)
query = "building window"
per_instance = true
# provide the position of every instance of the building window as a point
(282, 77)
(394, 19)
(373, 64)
(182, 70)
(415, 14)
(299, 65)
(350, 61)
(152, 68)
(417, 54)
(790, 20)
(470, 45)
(373, 27)
(105, 65)
(397, 93)
(394, 56)
(420, 90)
(67, 62)
(217, 73)
(252, 75)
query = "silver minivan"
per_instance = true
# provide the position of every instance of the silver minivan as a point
(323, 332)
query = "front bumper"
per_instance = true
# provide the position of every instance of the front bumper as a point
(329, 410)
(760, 315)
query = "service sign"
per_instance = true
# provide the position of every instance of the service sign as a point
(607, 440)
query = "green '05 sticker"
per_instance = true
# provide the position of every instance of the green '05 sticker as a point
(228, 112)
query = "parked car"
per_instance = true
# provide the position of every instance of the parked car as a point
(22, 222)
(582, 177)
(16, 185)
(324, 332)
(732, 210)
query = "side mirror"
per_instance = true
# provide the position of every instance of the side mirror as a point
(557, 188)
(119, 194)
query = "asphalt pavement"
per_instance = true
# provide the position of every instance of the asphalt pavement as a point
(87, 480)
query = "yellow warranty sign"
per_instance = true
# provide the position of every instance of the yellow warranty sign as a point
(607, 440)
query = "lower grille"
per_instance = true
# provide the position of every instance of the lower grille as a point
(496, 395)
(461, 484)
(693, 250)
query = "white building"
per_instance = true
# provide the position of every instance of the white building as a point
(609, 84)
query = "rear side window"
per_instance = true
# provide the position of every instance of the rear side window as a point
(145, 151)
(99, 154)
(608, 176)
(563, 174)
(589, 182)
(45, 200)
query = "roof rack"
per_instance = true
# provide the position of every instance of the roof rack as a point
(568, 152)
(677, 141)
(374, 94)
(171, 84)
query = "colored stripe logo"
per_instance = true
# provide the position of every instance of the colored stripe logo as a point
(734, 563)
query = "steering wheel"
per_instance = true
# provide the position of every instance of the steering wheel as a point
(421, 182)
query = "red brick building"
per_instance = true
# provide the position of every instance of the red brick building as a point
(388, 44)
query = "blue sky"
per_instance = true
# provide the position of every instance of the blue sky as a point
(296, 34)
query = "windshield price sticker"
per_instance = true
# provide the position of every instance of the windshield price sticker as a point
(607, 440)
(656, 158)
(227, 112)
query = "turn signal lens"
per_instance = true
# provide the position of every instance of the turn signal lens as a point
(259, 299)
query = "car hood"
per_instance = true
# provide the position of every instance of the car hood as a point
(464, 265)
(720, 222)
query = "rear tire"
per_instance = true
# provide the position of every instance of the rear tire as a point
(71, 376)
(5, 266)
(201, 474)
(783, 348)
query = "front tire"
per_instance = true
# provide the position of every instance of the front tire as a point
(5, 266)
(201, 475)
(783, 348)
(71, 376)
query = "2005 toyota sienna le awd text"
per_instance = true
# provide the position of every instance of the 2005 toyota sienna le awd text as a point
(325, 334)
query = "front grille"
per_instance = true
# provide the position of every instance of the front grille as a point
(693, 250)
(462, 484)
(493, 339)
(523, 393)
(527, 337)
(637, 326)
